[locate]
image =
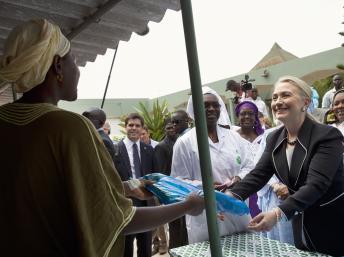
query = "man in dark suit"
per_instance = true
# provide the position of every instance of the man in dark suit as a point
(180, 120)
(134, 159)
(177, 228)
(98, 117)
(163, 152)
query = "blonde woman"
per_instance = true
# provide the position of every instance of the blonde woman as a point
(306, 156)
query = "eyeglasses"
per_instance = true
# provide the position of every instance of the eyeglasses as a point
(176, 121)
(243, 114)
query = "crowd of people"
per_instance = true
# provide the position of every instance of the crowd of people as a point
(69, 190)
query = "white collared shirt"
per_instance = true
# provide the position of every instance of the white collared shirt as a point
(229, 157)
(129, 145)
(327, 99)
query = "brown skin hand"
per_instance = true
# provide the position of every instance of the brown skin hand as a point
(147, 218)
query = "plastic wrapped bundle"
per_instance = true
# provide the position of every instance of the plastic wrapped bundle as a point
(171, 190)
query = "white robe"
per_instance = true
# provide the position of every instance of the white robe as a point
(229, 158)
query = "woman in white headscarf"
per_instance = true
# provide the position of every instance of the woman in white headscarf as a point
(223, 120)
(230, 163)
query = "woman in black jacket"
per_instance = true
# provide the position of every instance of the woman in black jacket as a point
(308, 158)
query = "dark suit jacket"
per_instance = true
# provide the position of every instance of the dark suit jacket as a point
(108, 144)
(315, 182)
(123, 167)
(163, 156)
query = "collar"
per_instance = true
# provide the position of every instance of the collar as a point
(186, 130)
(303, 134)
(128, 142)
(22, 113)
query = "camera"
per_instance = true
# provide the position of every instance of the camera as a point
(240, 87)
(245, 83)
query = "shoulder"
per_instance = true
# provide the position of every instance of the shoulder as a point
(186, 141)
(329, 93)
(118, 146)
(119, 143)
(273, 134)
(188, 136)
(69, 122)
(162, 144)
(67, 116)
(233, 133)
(326, 132)
(146, 147)
(154, 143)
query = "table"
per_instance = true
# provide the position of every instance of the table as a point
(243, 245)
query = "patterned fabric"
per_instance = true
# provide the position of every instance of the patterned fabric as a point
(243, 245)
(22, 114)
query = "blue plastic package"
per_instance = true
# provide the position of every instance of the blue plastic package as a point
(171, 190)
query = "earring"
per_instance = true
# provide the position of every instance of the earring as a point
(59, 78)
(303, 109)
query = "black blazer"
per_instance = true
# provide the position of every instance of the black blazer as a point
(163, 156)
(108, 144)
(122, 163)
(315, 182)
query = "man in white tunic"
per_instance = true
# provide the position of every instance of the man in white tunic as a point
(230, 163)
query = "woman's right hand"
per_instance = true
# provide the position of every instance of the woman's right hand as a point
(195, 204)
(263, 222)
(281, 190)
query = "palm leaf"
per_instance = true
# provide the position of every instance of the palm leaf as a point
(154, 120)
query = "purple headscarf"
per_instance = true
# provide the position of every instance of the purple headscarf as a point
(250, 105)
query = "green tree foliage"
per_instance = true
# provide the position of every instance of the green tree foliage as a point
(122, 124)
(322, 86)
(154, 120)
(118, 138)
(340, 66)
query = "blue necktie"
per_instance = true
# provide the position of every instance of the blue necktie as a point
(137, 163)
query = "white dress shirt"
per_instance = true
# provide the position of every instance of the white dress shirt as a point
(129, 145)
(327, 99)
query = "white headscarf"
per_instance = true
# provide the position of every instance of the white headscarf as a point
(224, 117)
(29, 52)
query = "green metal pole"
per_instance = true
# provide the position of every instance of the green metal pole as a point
(201, 128)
